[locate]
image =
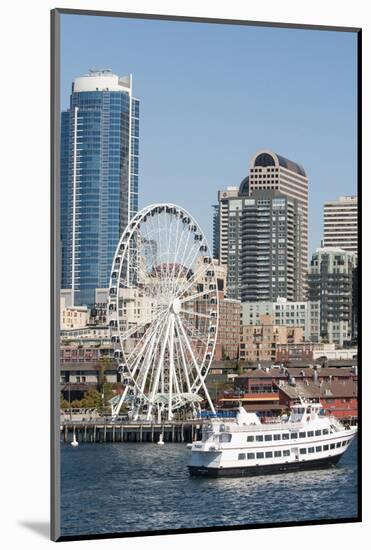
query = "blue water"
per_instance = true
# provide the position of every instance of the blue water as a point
(128, 487)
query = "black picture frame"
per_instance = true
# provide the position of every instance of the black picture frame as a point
(55, 267)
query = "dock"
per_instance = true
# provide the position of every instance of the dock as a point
(105, 431)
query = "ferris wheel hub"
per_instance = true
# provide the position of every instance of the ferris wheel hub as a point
(176, 306)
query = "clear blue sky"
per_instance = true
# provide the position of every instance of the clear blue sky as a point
(211, 95)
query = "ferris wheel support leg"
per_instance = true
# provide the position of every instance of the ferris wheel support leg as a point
(196, 366)
(171, 366)
(159, 370)
(116, 410)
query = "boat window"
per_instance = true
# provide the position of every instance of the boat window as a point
(303, 451)
(325, 432)
(294, 435)
(344, 443)
(268, 437)
(259, 438)
(241, 456)
(277, 453)
(318, 449)
(338, 444)
(302, 434)
(286, 453)
(332, 446)
(325, 447)
(277, 437)
(250, 456)
(310, 434)
(268, 454)
(285, 436)
(259, 455)
(318, 432)
(250, 438)
(225, 438)
(311, 450)
(309, 410)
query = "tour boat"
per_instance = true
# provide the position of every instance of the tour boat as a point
(305, 439)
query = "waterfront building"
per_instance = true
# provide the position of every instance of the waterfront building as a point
(268, 170)
(271, 258)
(341, 224)
(299, 314)
(259, 342)
(99, 178)
(330, 283)
(72, 317)
(229, 330)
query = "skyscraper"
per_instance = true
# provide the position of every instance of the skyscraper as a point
(340, 224)
(271, 247)
(99, 178)
(271, 171)
(331, 278)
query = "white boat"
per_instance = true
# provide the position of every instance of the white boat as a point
(306, 439)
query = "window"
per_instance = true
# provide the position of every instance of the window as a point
(303, 451)
(325, 432)
(310, 434)
(250, 456)
(250, 438)
(294, 435)
(269, 454)
(318, 449)
(332, 446)
(259, 455)
(268, 437)
(344, 443)
(338, 444)
(302, 434)
(318, 432)
(277, 454)
(311, 450)
(285, 436)
(259, 438)
(277, 437)
(286, 453)
(225, 438)
(325, 447)
(241, 456)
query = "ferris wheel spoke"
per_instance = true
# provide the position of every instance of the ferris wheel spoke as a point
(183, 362)
(196, 313)
(195, 296)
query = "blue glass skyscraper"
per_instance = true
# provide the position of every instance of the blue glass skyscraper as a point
(99, 178)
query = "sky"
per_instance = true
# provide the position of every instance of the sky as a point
(212, 95)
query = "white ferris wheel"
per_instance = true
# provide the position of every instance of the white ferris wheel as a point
(163, 312)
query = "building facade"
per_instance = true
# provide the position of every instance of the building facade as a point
(99, 178)
(292, 314)
(330, 283)
(268, 170)
(270, 264)
(229, 330)
(259, 342)
(340, 220)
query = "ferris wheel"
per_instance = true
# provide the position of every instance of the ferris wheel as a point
(163, 312)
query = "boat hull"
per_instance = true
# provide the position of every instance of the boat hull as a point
(266, 469)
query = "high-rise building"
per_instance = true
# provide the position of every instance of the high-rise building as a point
(99, 178)
(270, 262)
(330, 282)
(226, 237)
(271, 171)
(340, 224)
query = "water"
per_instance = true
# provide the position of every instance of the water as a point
(128, 487)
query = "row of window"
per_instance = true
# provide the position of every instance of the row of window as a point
(286, 452)
(285, 436)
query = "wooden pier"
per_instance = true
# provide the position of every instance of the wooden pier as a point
(105, 431)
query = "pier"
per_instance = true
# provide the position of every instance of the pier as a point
(105, 431)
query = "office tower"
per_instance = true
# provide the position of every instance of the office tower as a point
(330, 280)
(270, 262)
(271, 171)
(340, 224)
(99, 178)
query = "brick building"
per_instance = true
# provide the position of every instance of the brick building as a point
(228, 340)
